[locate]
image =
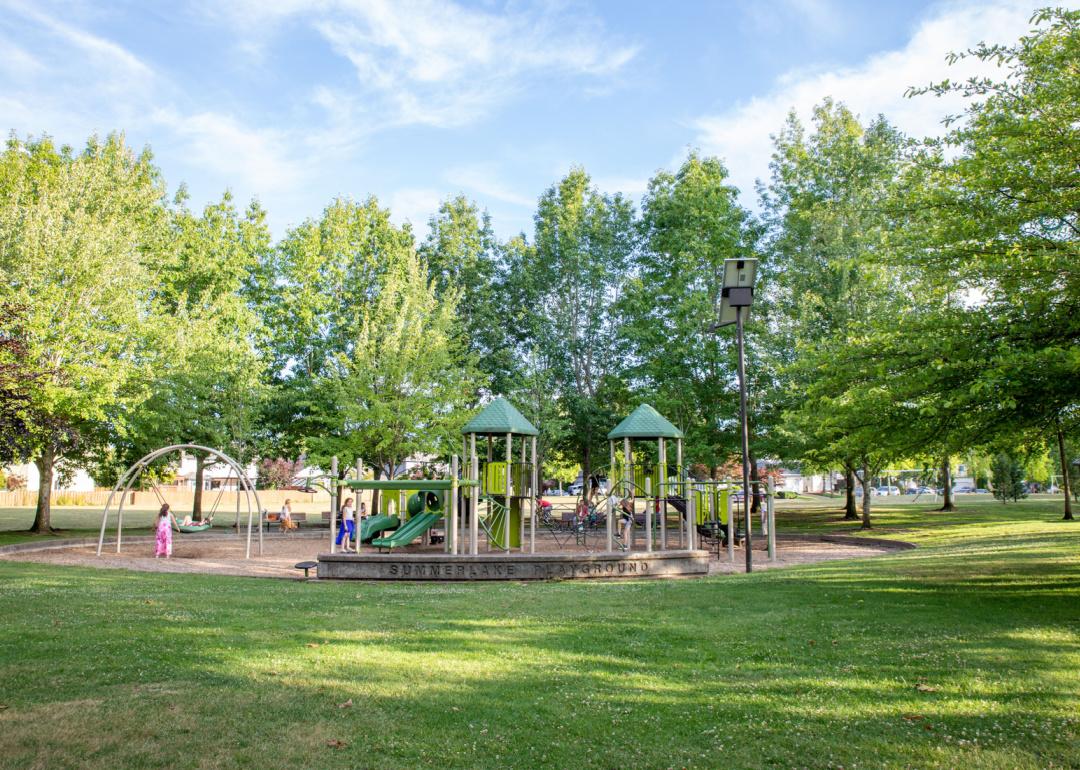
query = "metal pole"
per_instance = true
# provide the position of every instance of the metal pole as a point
(474, 496)
(730, 526)
(523, 495)
(648, 515)
(356, 508)
(771, 519)
(662, 492)
(691, 509)
(745, 439)
(535, 491)
(506, 508)
(333, 504)
(629, 471)
(451, 525)
(680, 475)
(611, 495)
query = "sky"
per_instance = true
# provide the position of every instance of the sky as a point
(297, 102)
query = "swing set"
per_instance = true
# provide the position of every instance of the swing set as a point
(214, 457)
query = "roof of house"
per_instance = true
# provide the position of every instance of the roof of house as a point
(645, 422)
(499, 418)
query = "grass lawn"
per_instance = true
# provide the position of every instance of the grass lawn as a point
(963, 653)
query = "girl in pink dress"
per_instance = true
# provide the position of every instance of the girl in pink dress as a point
(166, 521)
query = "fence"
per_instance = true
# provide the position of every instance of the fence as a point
(178, 499)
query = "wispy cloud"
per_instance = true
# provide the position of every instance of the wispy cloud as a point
(483, 179)
(741, 135)
(438, 62)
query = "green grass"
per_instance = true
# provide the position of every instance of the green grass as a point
(963, 653)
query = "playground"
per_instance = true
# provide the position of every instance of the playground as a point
(221, 555)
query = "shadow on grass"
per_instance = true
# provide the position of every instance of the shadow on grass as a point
(926, 658)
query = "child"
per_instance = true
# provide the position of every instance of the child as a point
(166, 521)
(286, 517)
(348, 525)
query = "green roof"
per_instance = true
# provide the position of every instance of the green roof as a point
(500, 417)
(645, 422)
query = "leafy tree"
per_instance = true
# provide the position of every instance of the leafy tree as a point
(208, 384)
(463, 256)
(400, 388)
(691, 222)
(991, 218)
(1007, 476)
(566, 289)
(79, 233)
(825, 229)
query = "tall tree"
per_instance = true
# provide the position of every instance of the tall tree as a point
(78, 234)
(825, 228)
(570, 284)
(690, 223)
(991, 218)
(463, 256)
(208, 384)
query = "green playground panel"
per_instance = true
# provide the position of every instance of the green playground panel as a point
(720, 504)
(493, 478)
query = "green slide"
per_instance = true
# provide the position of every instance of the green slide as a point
(376, 525)
(412, 529)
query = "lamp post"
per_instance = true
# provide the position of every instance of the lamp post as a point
(738, 293)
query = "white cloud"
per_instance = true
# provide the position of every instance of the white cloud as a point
(261, 159)
(482, 178)
(741, 135)
(437, 62)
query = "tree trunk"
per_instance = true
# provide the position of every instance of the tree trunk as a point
(43, 513)
(865, 497)
(196, 505)
(1065, 475)
(946, 472)
(851, 512)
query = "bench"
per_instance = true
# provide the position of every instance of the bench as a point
(275, 520)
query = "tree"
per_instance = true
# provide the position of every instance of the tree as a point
(401, 387)
(691, 222)
(463, 257)
(991, 219)
(208, 384)
(566, 289)
(1007, 476)
(79, 233)
(826, 226)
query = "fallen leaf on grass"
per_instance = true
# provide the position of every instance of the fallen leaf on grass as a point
(272, 673)
(925, 688)
(334, 743)
(346, 705)
(312, 644)
(913, 717)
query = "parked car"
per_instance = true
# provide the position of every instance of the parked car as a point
(965, 489)
(922, 491)
(888, 490)
(575, 488)
(982, 491)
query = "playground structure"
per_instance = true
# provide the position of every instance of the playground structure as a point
(134, 473)
(487, 510)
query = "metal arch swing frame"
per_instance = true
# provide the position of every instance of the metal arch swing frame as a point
(132, 474)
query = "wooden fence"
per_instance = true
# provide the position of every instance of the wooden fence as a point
(179, 499)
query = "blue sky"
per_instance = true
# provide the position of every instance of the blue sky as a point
(295, 102)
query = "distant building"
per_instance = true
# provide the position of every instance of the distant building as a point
(80, 480)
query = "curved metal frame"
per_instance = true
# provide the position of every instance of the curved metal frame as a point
(131, 475)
